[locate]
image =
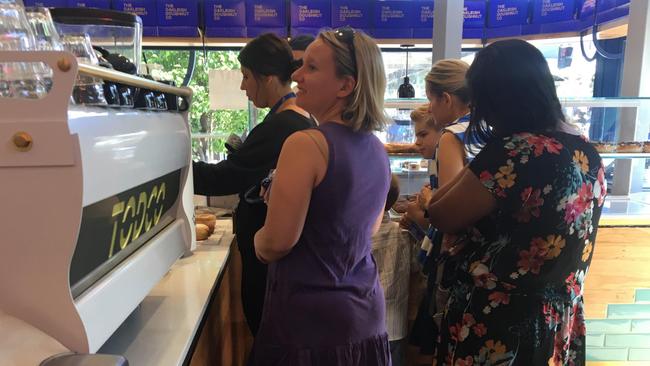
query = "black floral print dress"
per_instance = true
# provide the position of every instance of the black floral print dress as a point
(517, 293)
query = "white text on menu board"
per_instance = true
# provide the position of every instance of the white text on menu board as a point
(426, 13)
(260, 12)
(220, 11)
(346, 13)
(387, 13)
(305, 13)
(129, 8)
(504, 12)
(471, 14)
(550, 6)
(171, 11)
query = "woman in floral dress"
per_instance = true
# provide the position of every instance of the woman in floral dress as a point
(529, 205)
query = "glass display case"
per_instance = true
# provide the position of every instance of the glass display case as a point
(405, 161)
(619, 128)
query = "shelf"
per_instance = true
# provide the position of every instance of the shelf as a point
(614, 102)
(609, 102)
(412, 173)
(405, 155)
(199, 135)
(625, 155)
(410, 103)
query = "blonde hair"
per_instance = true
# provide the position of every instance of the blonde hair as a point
(448, 76)
(422, 114)
(365, 108)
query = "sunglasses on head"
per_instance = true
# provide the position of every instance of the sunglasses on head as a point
(346, 35)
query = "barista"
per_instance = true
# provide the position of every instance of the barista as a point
(266, 67)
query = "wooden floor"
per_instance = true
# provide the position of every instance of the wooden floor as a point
(621, 264)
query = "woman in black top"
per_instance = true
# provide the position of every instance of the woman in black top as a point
(266, 66)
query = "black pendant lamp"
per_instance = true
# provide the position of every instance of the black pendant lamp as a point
(406, 90)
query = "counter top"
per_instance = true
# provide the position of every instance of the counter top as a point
(160, 330)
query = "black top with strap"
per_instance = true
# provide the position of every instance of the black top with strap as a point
(247, 166)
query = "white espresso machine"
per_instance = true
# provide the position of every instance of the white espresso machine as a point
(95, 207)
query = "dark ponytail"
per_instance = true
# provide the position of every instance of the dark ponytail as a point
(295, 65)
(269, 55)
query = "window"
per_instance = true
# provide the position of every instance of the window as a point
(210, 129)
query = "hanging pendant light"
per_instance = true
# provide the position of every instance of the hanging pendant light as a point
(406, 90)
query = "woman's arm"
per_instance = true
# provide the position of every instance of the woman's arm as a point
(440, 192)
(244, 167)
(461, 205)
(451, 161)
(451, 158)
(301, 167)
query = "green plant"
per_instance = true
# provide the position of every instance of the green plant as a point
(223, 122)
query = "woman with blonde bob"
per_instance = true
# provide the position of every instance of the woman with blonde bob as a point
(324, 303)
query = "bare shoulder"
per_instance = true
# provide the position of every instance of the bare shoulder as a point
(308, 143)
(449, 139)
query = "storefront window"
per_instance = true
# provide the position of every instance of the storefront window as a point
(395, 66)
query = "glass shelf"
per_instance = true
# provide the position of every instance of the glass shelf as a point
(410, 103)
(405, 155)
(199, 135)
(412, 173)
(609, 102)
(625, 155)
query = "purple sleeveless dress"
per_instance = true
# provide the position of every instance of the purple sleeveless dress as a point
(324, 304)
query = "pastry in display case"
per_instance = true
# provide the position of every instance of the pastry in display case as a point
(604, 147)
(620, 132)
(629, 147)
(405, 159)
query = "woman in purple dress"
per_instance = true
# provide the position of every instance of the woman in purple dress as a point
(324, 304)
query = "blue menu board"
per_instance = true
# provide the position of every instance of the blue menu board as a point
(224, 13)
(99, 4)
(474, 14)
(423, 22)
(225, 18)
(394, 14)
(47, 3)
(354, 13)
(504, 13)
(145, 9)
(266, 13)
(549, 11)
(178, 18)
(311, 13)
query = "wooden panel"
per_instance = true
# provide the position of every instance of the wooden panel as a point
(621, 264)
(225, 338)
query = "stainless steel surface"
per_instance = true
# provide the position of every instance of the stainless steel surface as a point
(119, 77)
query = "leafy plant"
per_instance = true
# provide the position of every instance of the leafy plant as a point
(173, 66)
